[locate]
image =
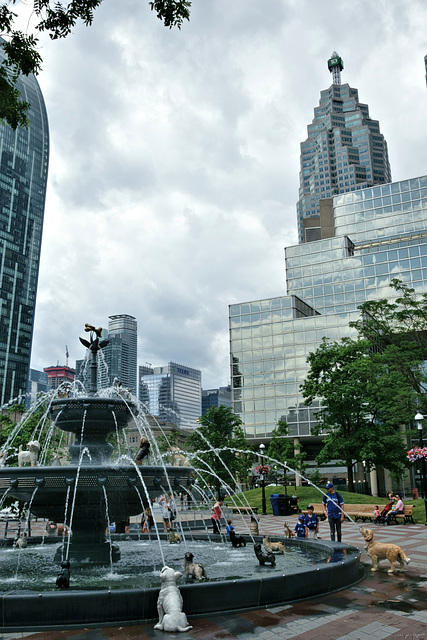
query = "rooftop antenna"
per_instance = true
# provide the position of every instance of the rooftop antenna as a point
(335, 66)
(67, 355)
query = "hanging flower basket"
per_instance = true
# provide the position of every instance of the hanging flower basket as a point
(417, 453)
(263, 469)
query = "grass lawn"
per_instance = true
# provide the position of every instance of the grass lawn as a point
(310, 494)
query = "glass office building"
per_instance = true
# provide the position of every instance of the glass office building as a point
(24, 157)
(172, 393)
(344, 152)
(376, 234)
(121, 353)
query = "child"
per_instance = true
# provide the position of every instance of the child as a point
(229, 527)
(311, 523)
(300, 527)
(376, 515)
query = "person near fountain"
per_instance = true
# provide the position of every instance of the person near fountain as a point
(300, 527)
(332, 508)
(147, 521)
(166, 513)
(216, 515)
(311, 523)
(397, 508)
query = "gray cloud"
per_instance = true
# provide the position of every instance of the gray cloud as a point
(175, 157)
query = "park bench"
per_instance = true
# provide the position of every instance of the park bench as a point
(362, 511)
(406, 516)
(247, 510)
(317, 508)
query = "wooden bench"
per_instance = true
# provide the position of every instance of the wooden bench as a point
(362, 511)
(318, 509)
(247, 510)
(406, 516)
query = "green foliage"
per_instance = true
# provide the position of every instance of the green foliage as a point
(58, 19)
(363, 403)
(283, 449)
(219, 428)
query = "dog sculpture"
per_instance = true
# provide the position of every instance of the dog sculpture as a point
(264, 558)
(51, 528)
(174, 538)
(253, 526)
(383, 550)
(169, 603)
(193, 569)
(272, 547)
(30, 456)
(63, 579)
(20, 542)
(144, 450)
(236, 541)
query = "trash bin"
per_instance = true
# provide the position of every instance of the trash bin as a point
(284, 501)
(414, 494)
(274, 499)
(294, 504)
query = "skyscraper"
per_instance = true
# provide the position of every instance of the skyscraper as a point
(121, 354)
(24, 156)
(172, 393)
(344, 152)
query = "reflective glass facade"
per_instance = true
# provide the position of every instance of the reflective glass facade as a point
(172, 393)
(24, 157)
(376, 240)
(121, 354)
(344, 152)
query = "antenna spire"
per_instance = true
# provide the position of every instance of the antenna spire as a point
(335, 66)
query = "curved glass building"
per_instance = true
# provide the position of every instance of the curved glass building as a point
(24, 157)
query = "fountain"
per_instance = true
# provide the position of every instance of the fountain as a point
(93, 491)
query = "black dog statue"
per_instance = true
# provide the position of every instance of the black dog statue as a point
(144, 450)
(237, 541)
(63, 579)
(263, 557)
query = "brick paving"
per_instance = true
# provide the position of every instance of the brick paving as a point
(381, 606)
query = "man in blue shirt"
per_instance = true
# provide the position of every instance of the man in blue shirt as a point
(331, 508)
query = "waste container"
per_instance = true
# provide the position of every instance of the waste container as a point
(294, 504)
(284, 501)
(274, 499)
(414, 494)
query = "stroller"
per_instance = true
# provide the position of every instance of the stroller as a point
(384, 512)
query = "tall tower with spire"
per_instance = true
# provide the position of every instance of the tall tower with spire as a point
(344, 152)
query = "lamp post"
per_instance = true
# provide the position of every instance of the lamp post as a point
(419, 420)
(264, 505)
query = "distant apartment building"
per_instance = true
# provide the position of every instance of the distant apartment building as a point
(58, 375)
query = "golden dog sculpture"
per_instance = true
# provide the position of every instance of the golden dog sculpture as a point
(383, 551)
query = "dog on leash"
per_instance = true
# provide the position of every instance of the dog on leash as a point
(382, 551)
(264, 558)
(169, 603)
(273, 547)
(193, 569)
(174, 538)
(30, 456)
(236, 541)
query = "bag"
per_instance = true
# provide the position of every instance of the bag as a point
(171, 516)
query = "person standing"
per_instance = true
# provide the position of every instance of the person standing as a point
(166, 513)
(216, 515)
(332, 508)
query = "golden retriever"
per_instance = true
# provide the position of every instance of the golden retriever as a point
(383, 550)
(273, 547)
(288, 532)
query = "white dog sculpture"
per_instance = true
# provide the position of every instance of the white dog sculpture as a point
(29, 456)
(169, 603)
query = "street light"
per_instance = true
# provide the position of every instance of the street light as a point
(419, 420)
(264, 505)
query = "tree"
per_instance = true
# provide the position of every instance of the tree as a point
(57, 19)
(220, 428)
(363, 403)
(283, 449)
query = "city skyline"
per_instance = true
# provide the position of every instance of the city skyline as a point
(174, 170)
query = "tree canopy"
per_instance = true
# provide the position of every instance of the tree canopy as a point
(57, 19)
(283, 449)
(220, 428)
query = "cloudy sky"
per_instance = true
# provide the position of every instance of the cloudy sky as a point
(174, 159)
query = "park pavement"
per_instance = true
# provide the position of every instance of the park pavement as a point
(380, 606)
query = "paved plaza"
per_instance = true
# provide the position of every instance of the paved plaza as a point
(381, 606)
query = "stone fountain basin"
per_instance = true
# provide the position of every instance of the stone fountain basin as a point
(97, 415)
(30, 611)
(122, 483)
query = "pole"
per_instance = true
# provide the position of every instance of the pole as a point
(423, 473)
(264, 505)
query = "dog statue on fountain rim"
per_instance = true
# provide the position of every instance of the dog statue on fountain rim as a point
(193, 569)
(29, 456)
(169, 603)
(263, 557)
(383, 550)
(174, 537)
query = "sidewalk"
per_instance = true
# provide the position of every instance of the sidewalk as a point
(381, 606)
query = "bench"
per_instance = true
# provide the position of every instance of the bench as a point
(247, 510)
(362, 511)
(318, 509)
(406, 516)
